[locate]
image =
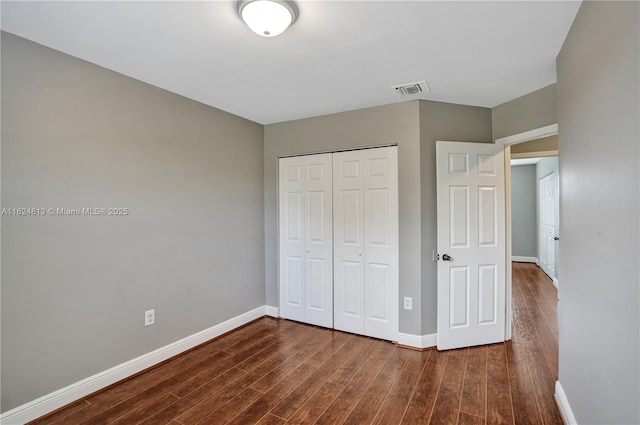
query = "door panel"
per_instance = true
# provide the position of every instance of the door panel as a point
(548, 201)
(487, 220)
(379, 309)
(348, 225)
(351, 291)
(292, 258)
(316, 278)
(294, 274)
(471, 231)
(366, 242)
(293, 218)
(380, 186)
(459, 216)
(487, 285)
(319, 240)
(351, 218)
(459, 297)
(306, 244)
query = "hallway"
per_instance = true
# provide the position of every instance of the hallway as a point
(532, 354)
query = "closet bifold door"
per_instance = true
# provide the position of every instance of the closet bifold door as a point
(348, 241)
(305, 238)
(365, 191)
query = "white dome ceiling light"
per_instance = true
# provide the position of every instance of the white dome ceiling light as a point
(267, 18)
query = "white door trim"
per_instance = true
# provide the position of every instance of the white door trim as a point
(527, 136)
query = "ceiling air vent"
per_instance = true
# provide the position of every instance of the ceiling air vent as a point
(409, 89)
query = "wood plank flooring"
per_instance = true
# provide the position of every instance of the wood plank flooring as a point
(275, 372)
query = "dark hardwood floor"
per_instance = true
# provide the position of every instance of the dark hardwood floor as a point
(281, 372)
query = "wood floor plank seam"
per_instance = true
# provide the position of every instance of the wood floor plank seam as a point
(486, 388)
(528, 367)
(528, 318)
(509, 382)
(464, 378)
(363, 375)
(433, 408)
(369, 389)
(341, 356)
(415, 387)
(329, 381)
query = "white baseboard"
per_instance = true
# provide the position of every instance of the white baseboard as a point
(521, 259)
(417, 341)
(563, 406)
(272, 311)
(556, 283)
(57, 399)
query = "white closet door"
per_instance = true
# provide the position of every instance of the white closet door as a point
(348, 236)
(306, 246)
(381, 242)
(366, 242)
(319, 240)
(292, 250)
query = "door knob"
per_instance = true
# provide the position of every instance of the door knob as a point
(446, 257)
(308, 250)
(555, 238)
(360, 254)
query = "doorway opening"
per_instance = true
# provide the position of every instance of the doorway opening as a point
(535, 213)
(543, 144)
(529, 286)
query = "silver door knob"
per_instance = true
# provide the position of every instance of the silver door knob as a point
(360, 254)
(446, 257)
(308, 249)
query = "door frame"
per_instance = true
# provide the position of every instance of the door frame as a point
(527, 136)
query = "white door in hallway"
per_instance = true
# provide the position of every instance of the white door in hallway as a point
(471, 244)
(306, 239)
(548, 200)
(366, 242)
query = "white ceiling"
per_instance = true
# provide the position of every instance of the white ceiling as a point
(338, 55)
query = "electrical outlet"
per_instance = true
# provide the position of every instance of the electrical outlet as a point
(408, 303)
(149, 317)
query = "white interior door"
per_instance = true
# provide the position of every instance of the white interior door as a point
(306, 240)
(366, 242)
(471, 244)
(548, 199)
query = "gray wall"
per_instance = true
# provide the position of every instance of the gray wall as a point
(74, 288)
(415, 127)
(534, 110)
(543, 145)
(524, 207)
(544, 167)
(397, 123)
(441, 121)
(598, 110)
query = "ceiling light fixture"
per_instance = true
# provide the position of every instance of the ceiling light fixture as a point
(267, 18)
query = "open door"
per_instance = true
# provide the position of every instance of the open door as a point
(471, 244)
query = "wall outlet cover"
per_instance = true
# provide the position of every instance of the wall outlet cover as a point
(149, 317)
(408, 303)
